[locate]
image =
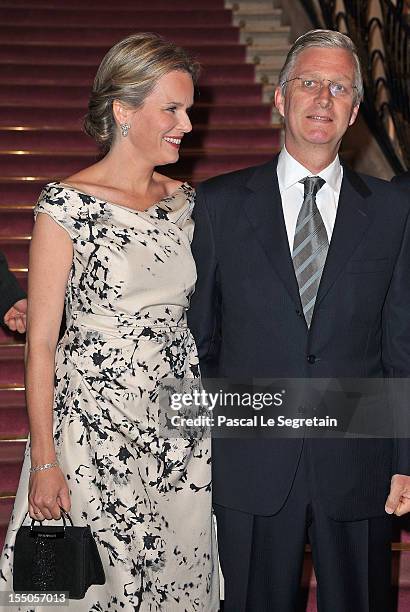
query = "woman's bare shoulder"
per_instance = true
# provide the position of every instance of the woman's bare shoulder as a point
(168, 184)
(83, 180)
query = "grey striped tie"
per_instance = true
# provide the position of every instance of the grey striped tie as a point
(310, 246)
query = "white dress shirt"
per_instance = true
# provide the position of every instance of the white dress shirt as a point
(290, 172)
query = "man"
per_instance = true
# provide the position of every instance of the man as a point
(303, 271)
(13, 303)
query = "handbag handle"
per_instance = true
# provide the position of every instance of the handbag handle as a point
(64, 516)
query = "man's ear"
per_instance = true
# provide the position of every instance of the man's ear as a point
(280, 100)
(354, 114)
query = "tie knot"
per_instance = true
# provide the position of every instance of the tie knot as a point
(312, 185)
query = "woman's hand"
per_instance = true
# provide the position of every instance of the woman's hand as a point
(48, 492)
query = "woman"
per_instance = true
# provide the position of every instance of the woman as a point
(114, 240)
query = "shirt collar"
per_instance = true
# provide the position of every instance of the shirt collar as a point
(290, 171)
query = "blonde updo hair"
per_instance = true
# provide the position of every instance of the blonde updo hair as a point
(128, 73)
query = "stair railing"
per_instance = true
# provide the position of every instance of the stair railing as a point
(380, 30)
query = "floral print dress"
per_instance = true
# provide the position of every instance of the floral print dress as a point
(146, 498)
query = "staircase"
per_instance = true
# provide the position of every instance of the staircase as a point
(266, 38)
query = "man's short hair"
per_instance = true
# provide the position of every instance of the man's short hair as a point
(329, 39)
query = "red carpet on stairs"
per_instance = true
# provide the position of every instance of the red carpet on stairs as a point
(49, 52)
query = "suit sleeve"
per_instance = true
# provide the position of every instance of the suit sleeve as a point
(10, 290)
(204, 315)
(396, 344)
(402, 180)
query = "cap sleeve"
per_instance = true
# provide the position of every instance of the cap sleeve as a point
(184, 204)
(63, 206)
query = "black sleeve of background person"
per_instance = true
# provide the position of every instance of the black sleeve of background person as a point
(10, 290)
(204, 312)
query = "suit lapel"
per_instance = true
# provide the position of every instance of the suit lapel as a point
(352, 220)
(263, 207)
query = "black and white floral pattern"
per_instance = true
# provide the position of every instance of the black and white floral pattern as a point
(146, 497)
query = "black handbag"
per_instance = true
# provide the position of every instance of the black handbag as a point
(60, 558)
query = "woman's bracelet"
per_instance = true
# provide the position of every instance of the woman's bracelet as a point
(45, 466)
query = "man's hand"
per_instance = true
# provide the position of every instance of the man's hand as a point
(398, 501)
(15, 317)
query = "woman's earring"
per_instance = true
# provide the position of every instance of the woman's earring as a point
(125, 129)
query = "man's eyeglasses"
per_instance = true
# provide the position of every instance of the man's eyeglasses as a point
(314, 85)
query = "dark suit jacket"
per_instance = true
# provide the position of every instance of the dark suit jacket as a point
(402, 180)
(10, 290)
(247, 320)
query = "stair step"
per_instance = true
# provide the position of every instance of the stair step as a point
(274, 63)
(72, 118)
(403, 600)
(16, 251)
(15, 222)
(47, 141)
(12, 396)
(261, 23)
(259, 8)
(268, 73)
(92, 35)
(9, 477)
(13, 420)
(271, 49)
(259, 54)
(10, 353)
(11, 452)
(251, 36)
(405, 529)
(3, 531)
(191, 163)
(6, 506)
(19, 192)
(11, 370)
(268, 20)
(249, 4)
(70, 141)
(84, 75)
(75, 96)
(42, 54)
(9, 337)
(106, 5)
(140, 20)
